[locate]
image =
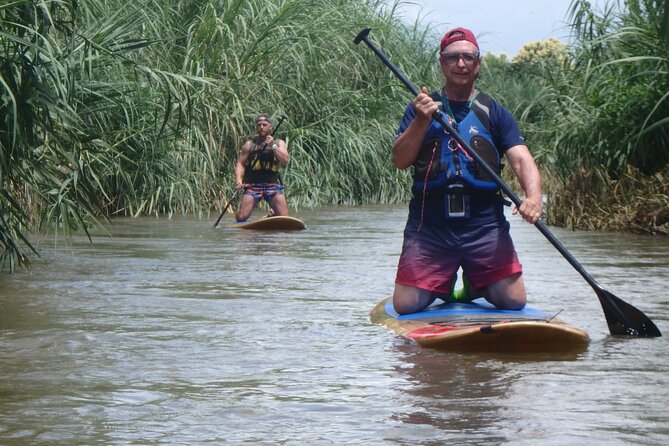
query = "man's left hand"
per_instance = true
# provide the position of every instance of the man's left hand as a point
(530, 209)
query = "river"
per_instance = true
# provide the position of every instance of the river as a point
(169, 332)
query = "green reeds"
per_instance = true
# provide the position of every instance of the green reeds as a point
(591, 200)
(598, 121)
(114, 108)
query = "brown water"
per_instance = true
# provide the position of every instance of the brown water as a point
(171, 332)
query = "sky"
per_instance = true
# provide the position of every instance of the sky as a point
(500, 26)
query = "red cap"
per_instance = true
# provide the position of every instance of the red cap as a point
(455, 35)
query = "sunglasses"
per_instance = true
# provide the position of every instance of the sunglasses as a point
(453, 57)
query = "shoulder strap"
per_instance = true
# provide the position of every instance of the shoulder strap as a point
(481, 108)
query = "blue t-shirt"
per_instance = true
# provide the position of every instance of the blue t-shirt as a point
(484, 207)
(503, 127)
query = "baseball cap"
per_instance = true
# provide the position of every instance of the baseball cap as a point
(455, 35)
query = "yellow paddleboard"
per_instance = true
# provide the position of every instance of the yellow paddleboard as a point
(479, 326)
(274, 223)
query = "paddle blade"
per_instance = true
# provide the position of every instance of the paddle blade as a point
(624, 319)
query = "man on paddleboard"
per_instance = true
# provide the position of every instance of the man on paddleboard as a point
(456, 215)
(257, 171)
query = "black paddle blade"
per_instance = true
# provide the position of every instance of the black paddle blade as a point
(624, 319)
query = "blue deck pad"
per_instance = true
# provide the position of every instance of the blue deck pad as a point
(477, 308)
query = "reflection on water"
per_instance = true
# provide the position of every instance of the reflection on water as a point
(171, 332)
(457, 398)
(462, 398)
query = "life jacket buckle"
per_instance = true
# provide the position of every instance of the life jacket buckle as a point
(453, 145)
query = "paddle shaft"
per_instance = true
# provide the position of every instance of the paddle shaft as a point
(440, 117)
(274, 130)
(225, 209)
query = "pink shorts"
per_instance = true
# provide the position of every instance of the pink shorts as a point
(431, 257)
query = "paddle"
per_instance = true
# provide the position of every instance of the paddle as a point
(234, 196)
(225, 209)
(274, 130)
(621, 317)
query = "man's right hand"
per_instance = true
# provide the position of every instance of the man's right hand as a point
(425, 105)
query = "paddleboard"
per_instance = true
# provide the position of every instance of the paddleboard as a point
(479, 326)
(274, 223)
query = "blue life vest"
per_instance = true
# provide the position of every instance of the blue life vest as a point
(442, 161)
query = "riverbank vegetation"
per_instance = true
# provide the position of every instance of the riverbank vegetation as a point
(112, 108)
(598, 120)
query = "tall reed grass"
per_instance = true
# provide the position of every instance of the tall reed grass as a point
(610, 105)
(592, 200)
(114, 108)
(597, 118)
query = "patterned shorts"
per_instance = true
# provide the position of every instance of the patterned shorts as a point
(265, 191)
